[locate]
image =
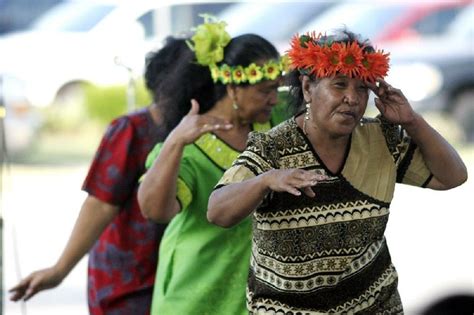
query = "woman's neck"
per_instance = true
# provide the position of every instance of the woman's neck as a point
(237, 135)
(155, 113)
(323, 140)
(223, 109)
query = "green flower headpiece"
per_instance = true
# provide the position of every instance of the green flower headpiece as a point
(209, 41)
(208, 44)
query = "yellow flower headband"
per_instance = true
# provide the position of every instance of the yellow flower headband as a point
(208, 44)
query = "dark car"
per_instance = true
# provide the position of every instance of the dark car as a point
(437, 73)
(16, 15)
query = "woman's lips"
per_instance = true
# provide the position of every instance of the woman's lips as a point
(348, 114)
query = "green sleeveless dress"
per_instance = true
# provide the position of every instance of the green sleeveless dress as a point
(203, 268)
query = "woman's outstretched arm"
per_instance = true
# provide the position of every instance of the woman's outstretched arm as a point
(94, 217)
(232, 203)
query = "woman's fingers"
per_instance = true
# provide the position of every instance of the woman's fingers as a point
(380, 105)
(297, 181)
(373, 87)
(32, 290)
(26, 288)
(20, 289)
(209, 127)
(210, 123)
(382, 83)
(292, 190)
(309, 176)
(309, 192)
(37, 281)
(18, 293)
(194, 107)
(19, 286)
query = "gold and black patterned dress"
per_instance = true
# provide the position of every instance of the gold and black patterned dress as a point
(327, 254)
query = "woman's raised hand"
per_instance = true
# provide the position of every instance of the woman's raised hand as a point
(293, 181)
(392, 104)
(193, 125)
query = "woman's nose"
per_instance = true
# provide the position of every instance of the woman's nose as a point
(351, 97)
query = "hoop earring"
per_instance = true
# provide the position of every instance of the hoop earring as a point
(306, 117)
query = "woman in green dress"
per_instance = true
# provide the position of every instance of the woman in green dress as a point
(203, 268)
(319, 185)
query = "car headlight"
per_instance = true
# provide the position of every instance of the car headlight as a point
(418, 81)
(12, 90)
(31, 91)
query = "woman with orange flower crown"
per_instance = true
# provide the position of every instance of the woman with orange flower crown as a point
(203, 268)
(319, 185)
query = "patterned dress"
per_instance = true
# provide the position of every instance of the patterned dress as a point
(327, 254)
(122, 263)
(203, 268)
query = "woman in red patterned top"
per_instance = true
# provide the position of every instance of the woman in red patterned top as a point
(122, 245)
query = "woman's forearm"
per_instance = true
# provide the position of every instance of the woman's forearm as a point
(230, 204)
(94, 217)
(443, 161)
(157, 192)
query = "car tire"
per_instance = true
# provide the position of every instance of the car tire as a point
(68, 111)
(463, 113)
(70, 95)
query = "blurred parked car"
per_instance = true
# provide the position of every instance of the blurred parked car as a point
(437, 73)
(101, 42)
(384, 21)
(277, 21)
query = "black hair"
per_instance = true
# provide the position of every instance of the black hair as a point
(174, 78)
(293, 79)
(454, 304)
(244, 50)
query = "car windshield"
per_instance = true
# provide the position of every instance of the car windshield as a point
(363, 18)
(462, 26)
(72, 17)
(265, 19)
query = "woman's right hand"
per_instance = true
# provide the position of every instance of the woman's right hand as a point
(37, 281)
(193, 125)
(293, 181)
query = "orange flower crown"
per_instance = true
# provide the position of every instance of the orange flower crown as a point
(317, 55)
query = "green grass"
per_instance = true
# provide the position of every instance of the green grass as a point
(71, 130)
(62, 148)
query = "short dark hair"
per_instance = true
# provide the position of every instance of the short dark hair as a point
(454, 304)
(174, 78)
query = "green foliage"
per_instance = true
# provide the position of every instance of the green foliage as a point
(105, 103)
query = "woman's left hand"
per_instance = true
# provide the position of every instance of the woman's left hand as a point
(391, 102)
